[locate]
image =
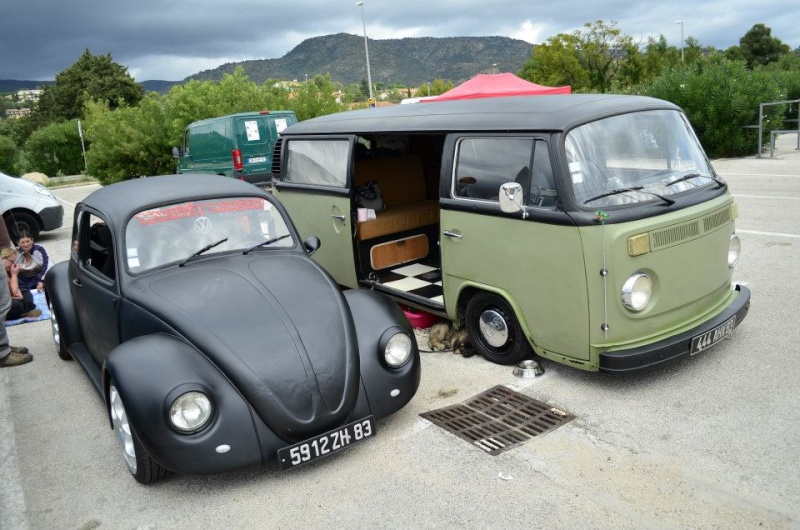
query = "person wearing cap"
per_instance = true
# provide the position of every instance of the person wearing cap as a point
(9, 355)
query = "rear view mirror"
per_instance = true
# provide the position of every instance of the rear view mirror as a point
(511, 197)
(311, 244)
(176, 153)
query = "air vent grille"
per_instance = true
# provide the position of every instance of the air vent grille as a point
(676, 234)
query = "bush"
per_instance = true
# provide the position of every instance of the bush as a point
(131, 142)
(8, 156)
(128, 142)
(721, 98)
(55, 149)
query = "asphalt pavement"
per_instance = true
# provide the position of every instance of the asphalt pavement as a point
(708, 442)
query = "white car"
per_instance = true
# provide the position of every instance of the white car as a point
(28, 206)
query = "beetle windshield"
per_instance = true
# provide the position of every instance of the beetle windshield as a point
(636, 158)
(174, 232)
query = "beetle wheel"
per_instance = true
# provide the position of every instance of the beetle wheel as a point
(494, 330)
(142, 467)
(61, 349)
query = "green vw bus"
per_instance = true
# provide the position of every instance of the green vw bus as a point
(590, 230)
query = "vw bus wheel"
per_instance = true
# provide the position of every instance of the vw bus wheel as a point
(494, 330)
(141, 466)
(61, 349)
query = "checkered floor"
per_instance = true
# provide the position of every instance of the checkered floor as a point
(418, 279)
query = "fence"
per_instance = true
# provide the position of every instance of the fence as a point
(774, 133)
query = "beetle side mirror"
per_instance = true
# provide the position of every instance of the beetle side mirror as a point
(510, 197)
(311, 244)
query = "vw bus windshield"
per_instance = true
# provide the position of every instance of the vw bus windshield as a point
(636, 158)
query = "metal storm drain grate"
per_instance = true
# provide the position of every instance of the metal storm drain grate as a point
(498, 419)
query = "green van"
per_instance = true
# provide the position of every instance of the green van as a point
(590, 230)
(237, 145)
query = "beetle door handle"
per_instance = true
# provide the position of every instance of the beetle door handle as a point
(450, 233)
(338, 217)
(77, 282)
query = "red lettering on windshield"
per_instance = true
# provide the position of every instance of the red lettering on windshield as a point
(198, 209)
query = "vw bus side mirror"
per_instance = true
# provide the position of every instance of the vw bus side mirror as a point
(176, 153)
(311, 244)
(510, 197)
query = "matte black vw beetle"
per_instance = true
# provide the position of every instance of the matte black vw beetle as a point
(216, 342)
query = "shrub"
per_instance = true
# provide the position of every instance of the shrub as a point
(721, 99)
(8, 156)
(55, 149)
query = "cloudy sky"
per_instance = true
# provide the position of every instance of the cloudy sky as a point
(172, 40)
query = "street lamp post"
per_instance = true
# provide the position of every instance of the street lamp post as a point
(366, 48)
(681, 23)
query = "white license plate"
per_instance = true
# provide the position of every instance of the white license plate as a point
(326, 444)
(709, 338)
(257, 159)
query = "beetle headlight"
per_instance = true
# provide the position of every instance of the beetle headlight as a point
(190, 412)
(398, 350)
(636, 291)
(734, 250)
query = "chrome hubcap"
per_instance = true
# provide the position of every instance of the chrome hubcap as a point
(122, 427)
(54, 327)
(494, 328)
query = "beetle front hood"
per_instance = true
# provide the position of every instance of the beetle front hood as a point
(278, 327)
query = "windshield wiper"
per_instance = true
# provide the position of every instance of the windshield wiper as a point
(266, 243)
(696, 175)
(667, 201)
(202, 250)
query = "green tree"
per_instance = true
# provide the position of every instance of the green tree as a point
(316, 98)
(90, 78)
(759, 47)
(129, 142)
(8, 156)
(588, 59)
(556, 63)
(55, 149)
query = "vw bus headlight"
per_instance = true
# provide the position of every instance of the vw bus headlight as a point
(636, 291)
(190, 412)
(734, 250)
(398, 350)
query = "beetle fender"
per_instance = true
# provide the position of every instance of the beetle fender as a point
(374, 314)
(150, 372)
(58, 294)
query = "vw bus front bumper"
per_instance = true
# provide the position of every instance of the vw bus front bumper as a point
(690, 342)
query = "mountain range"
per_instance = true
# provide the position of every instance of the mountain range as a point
(408, 62)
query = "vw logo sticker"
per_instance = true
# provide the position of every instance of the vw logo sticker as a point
(202, 225)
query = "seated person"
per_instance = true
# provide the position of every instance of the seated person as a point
(22, 305)
(33, 263)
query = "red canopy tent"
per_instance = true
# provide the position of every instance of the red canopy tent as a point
(497, 85)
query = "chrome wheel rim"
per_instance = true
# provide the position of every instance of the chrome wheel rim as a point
(119, 420)
(494, 328)
(54, 327)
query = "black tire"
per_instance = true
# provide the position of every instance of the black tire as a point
(501, 340)
(143, 468)
(61, 349)
(16, 222)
